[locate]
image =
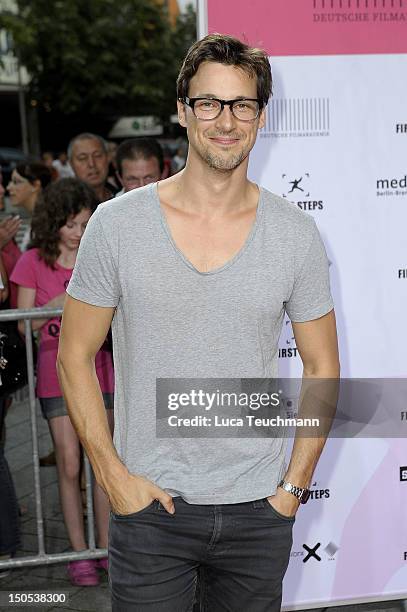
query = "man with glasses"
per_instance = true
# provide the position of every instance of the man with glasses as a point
(197, 273)
(140, 161)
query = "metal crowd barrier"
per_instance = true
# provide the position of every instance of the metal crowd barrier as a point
(43, 558)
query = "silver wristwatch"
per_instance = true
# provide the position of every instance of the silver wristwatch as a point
(301, 494)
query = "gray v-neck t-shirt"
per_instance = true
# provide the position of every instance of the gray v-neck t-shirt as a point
(172, 321)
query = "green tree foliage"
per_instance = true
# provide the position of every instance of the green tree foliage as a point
(100, 57)
(183, 36)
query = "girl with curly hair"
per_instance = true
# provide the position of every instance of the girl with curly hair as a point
(42, 275)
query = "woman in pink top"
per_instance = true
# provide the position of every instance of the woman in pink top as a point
(42, 275)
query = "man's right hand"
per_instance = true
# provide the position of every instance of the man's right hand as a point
(133, 493)
(8, 229)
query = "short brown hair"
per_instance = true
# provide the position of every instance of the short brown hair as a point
(232, 52)
(139, 148)
(35, 171)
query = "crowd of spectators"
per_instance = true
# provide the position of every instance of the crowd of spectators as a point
(58, 197)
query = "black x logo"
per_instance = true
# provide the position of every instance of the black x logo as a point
(295, 185)
(311, 552)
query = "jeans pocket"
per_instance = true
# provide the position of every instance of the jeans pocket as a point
(270, 508)
(133, 515)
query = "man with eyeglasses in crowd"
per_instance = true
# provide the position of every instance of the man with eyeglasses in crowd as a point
(197, 278)
(139, 161)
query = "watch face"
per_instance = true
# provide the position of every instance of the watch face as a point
(305, 496)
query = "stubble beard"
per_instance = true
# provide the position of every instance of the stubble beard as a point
(218, 162)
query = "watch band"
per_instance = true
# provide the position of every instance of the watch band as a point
(300, 493)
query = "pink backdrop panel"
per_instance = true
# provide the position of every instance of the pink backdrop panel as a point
(314, 27)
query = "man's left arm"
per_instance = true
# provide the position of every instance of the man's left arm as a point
(318, 348)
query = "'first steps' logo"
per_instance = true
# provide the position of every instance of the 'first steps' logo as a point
(287, 347)
(317, 493)
(297, 189)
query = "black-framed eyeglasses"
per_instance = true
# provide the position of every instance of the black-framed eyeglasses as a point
(206, 109)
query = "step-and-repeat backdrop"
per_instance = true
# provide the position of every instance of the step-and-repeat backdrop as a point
(335, 144)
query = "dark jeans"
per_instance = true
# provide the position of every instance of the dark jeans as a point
(9, 517)
(243, 550)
